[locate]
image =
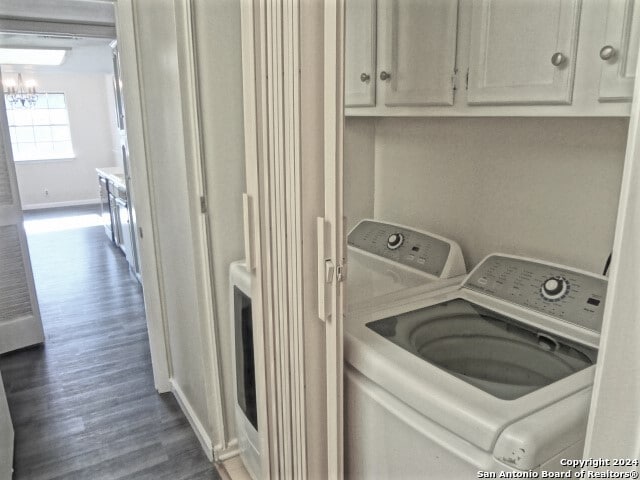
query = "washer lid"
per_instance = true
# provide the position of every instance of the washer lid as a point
(495, 353)
(369, 277)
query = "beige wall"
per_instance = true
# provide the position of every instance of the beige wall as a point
(539, 187)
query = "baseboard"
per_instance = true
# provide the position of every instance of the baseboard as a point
(70, 203)
(196, 425)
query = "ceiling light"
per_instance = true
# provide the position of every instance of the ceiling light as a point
(32, 56)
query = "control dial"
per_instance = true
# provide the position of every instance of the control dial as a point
(554, 288)
(394, 241)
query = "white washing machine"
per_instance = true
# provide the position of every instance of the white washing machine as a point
(492, 374)
(388, 260)
(246, 412)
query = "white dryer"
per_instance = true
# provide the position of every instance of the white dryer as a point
(492, 374)
(387, 260)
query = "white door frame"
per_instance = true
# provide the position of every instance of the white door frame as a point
(142, 192)
(334, 15)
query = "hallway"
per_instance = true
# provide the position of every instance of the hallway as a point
(84, 405)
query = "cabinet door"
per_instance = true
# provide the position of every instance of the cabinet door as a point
(619, 54)
(523, 52)
(360, 53)
(418, 52)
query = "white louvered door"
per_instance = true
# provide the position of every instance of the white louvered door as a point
(20, 324)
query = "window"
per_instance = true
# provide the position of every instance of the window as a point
(41, 132)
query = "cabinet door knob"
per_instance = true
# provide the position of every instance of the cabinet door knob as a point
(385, 75)
(558, 59)
(365, 77)
(607, 52)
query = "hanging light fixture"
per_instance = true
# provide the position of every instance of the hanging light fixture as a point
(21, 94)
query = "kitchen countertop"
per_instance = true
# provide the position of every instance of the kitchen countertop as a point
(115, 174)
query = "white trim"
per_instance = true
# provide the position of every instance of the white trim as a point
(68, 203)
(48, 159)
(44, 27)
(334, 216)
(141, 185)
(194, 421)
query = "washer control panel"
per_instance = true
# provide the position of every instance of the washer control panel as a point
(402, 245)
(576, 297)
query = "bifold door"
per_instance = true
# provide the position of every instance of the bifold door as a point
(20, 324)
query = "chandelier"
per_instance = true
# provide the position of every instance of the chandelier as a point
(21, 94)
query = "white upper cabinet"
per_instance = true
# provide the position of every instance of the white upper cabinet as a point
(490, 57)
(418, 52)
(619, 53)
(523, 52)
(360, 45)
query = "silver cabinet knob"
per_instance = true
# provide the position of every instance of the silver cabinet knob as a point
(365, 77)
(607, 52)
(385, 75)
(558, 59)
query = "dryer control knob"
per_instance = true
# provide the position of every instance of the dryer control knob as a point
(395, 240)
(554, 288)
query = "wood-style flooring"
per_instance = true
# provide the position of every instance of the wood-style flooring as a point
(84, 404)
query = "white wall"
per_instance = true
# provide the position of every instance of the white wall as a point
(218, 24)
(72, 181)
(539, 187)
(359, 169)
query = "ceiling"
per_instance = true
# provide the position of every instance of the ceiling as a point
(86, 55)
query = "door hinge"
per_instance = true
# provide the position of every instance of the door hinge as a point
(203, 204)
(454, 79)
(466, 81)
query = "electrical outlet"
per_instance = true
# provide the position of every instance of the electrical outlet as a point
(46, 192)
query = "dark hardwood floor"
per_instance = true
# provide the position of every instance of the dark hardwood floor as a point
(84, 405)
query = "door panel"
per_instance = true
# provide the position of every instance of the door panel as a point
(360, 53)
(20, 324)
(512, 45)
(419, 52)
(623, 33)
(6, 436)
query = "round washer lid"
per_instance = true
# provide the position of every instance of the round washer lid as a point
(490, 351)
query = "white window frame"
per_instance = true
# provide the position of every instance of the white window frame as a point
(19, 157)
